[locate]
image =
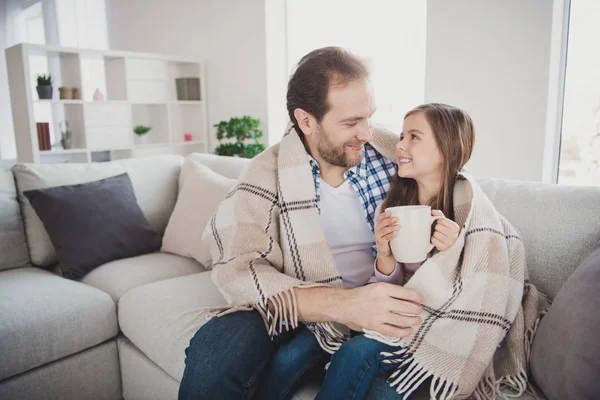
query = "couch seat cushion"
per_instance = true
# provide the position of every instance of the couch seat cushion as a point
(169, 313)
(162, 317)
(117, 277)
(45, 317)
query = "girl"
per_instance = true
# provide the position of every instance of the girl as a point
(480, 313)
(436, 142)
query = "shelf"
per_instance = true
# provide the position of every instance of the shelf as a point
(187, 102)
(59, 101)
(150, 145)
(81, 102)
(191, 143)
(141, 103)
(148, 103)
(137, 89)
(62, 151)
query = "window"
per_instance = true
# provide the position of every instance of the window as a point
(580, 143)
(390, 33)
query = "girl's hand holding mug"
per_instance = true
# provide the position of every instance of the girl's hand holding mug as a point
(446, 232)
(386, 228)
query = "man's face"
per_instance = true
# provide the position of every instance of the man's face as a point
(345, 128)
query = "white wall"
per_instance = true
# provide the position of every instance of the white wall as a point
(492, 58)
(391, 35)
(277, 67)
(8, 148)
(229, 36)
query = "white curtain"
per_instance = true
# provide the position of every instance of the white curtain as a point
(10, 34)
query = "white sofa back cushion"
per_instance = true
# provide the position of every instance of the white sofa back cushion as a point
(559, 225)
(13, 243)
(230, 167)
(154, 180)
(200, 192)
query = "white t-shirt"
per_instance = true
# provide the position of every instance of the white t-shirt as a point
(348, 233)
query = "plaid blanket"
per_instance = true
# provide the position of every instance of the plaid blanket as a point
(266, 240)
(481, 311)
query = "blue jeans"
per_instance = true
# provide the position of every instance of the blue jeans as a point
(232, 357)
(357, 372)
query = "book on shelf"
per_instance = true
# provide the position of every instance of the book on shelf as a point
(43, 132)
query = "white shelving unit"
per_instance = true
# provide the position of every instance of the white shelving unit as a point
(138, 89)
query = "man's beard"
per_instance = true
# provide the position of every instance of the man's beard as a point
(336, 154)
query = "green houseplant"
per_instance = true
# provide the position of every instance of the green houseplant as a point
(141, 131)
(65, 135)
(44, 86)
(239, 137)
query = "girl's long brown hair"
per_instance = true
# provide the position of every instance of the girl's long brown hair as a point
(455, 136)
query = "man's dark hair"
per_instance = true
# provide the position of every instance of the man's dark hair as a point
(309, 85)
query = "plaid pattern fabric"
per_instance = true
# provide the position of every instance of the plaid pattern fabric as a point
(370, 179)
(266, 239)
(481, 314)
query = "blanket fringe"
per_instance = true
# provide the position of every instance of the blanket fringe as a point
(512, 386)
(390, 341)
(280, 313)
(486, 388)
(410, 375)
(329, 337)
(220, 311)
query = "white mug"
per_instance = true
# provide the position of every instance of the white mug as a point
(413, 241)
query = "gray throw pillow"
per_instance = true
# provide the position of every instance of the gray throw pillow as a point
(93, 223)
(565, 356)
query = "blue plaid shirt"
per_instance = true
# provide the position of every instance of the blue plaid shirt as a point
(370, 179)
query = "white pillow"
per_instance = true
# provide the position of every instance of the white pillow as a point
(200, 192)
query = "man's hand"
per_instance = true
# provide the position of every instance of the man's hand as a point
(378, 307)
(375, 307)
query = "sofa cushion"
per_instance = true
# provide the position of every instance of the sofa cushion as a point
(154, 180)
(565, 356)
(90, 224)
(117, 277)
(169, 313)
(90, 374)
(13, 245)
(559, 225)
(200, 192)
(45, 317)
(230, 167)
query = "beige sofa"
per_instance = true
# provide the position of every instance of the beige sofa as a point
(121, 332)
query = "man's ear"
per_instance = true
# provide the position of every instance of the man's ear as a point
(306, 121)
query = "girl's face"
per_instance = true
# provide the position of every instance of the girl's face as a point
(418, 154)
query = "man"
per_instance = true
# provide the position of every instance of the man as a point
(293, 245)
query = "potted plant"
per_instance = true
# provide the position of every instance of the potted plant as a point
(44, 86)
(141, 131)
(239, 137)
(65, 135)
